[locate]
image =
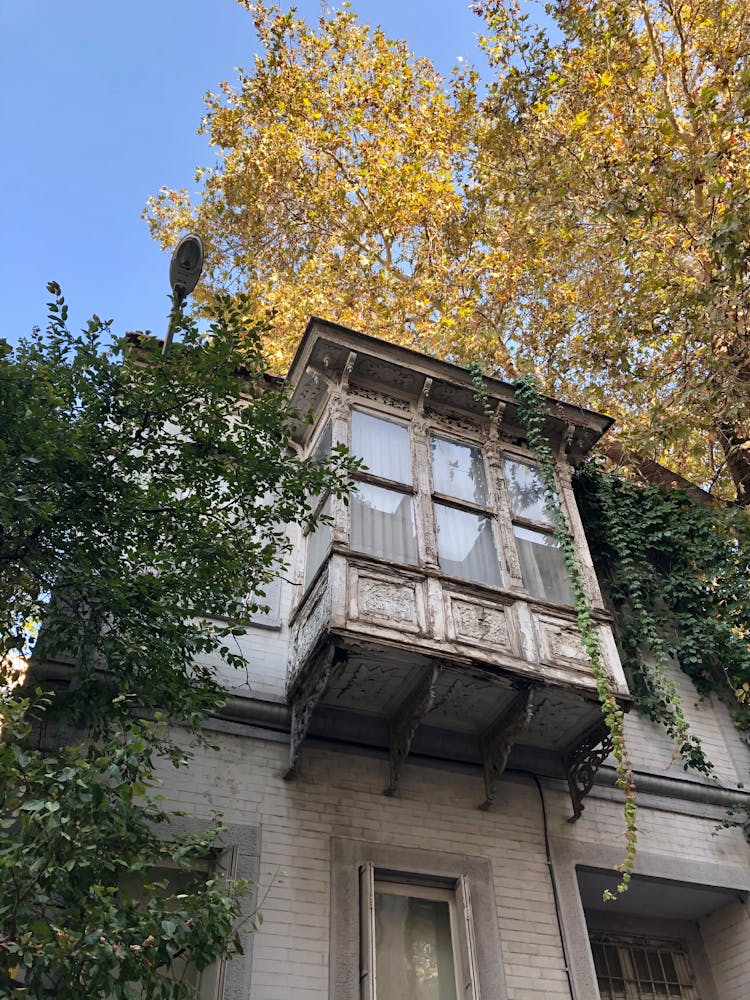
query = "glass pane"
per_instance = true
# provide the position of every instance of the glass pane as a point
(383, 523)
(324, 443)
(383, 446)
(458, 470)
(413, 949)
(526, 491)
(542, 565)
(466, 547)
(318, 544)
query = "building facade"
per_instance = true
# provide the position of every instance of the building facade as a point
(414, 771)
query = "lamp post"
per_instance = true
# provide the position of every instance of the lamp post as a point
(184, 271)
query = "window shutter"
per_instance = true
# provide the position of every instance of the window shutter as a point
(367, 932)
(468, 946)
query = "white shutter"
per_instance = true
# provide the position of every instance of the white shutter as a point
(367, 932)
(469, 967)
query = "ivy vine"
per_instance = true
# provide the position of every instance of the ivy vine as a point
(532, 414)
(678, 575)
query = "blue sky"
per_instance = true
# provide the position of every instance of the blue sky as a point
(100, 104)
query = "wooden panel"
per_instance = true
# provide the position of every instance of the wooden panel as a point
(480, 623)
(314, 619)
(560, 642)
(388, 601)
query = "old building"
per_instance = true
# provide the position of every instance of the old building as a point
(415, 769)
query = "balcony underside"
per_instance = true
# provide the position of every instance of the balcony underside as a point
(382, 696)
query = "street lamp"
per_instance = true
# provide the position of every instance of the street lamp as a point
(184, 270)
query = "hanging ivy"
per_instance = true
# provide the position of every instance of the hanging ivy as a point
(532, 414)
(678, 574)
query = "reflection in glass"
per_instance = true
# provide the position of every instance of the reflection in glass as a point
(526, 491)
(324, 443)
(383, 446)
(413, 950)
(318, 544)
(383, 523)
(458, 470)
(466, 547)
(542, 565)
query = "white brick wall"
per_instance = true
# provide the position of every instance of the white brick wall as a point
(340, 794)
(726, 936)
(652, 750)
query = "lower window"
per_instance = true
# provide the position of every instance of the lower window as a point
(629, 967)
(416, 939)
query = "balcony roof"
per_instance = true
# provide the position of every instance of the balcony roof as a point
(329, 352)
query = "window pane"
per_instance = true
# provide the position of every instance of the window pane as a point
(542, 565)
(383, 445)
(383, 523)
(318, 544)
(466, 547)
(413, 948)
(526, 491)
(458, 470)
(324, 443)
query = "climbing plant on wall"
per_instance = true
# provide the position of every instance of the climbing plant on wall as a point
(678, 575)
(532, 413)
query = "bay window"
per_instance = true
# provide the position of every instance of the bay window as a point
(394, 509)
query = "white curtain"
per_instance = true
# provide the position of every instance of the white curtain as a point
(383, 524)
(413, 948)
(542, 565)
(466, 547)
(383, 445)
(458, 470)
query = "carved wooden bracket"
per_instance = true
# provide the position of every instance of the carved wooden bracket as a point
(351, 360)
(497, 741)
(403, 725)
(306, 696)
(582, 762)
(566, 444)
(424, 395)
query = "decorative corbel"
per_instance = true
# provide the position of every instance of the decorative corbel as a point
(306, 696)
(566, 445)
(497, 741)
(424, 395)
(497, 419)
(347, 371)
(403, 725)
(317, 376)
(582, 761)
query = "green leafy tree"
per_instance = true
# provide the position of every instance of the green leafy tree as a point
(140, 496)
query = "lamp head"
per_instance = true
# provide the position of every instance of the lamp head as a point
(186, 266)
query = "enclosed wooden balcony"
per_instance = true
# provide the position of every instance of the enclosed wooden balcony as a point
(434, 614)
